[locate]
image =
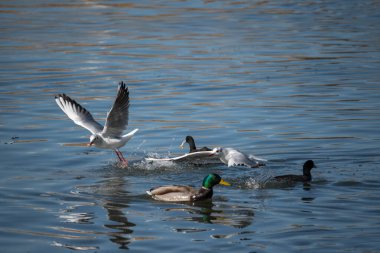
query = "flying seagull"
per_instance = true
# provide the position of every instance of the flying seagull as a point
(110, 136)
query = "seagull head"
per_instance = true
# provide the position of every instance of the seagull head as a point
(94, 139)
(217, 150)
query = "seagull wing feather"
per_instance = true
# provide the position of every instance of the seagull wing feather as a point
(117, 117)
(77, 113)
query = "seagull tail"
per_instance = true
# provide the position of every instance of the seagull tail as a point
(257, 162)
(252, 157)
(131, 133)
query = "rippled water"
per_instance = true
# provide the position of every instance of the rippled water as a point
(284, 80)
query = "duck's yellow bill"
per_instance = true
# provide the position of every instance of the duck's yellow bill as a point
(224, 183)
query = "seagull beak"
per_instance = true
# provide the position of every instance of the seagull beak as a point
(90, 144)
(183, 143)
(224, 183)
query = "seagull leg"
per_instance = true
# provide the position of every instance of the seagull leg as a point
(122, 158)
(123, 161)
(118, 154)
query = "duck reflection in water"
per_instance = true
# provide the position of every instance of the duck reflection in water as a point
(207, 212)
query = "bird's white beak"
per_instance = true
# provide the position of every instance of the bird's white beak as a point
(182, 144)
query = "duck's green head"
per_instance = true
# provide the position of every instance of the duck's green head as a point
(213, 179)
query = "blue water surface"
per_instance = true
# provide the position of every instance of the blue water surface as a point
(283, 80)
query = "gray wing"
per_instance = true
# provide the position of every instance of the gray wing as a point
(77, 113)
(117, 117)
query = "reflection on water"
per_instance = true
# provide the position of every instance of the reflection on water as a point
(113, 198)
(115, 205)
(71, 247)
(207, 212)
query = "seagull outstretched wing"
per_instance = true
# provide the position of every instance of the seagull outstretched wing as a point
(117, 117)
(77, 113)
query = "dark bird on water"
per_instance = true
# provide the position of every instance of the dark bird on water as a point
(193, 148)
(306, 177)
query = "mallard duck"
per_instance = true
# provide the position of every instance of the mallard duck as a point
(306, 177)
(193, 148)
(233, 157)
(176, 193)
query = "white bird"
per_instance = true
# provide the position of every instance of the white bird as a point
(233, 157)
(107, 137)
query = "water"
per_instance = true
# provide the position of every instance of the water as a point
(284, 80)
